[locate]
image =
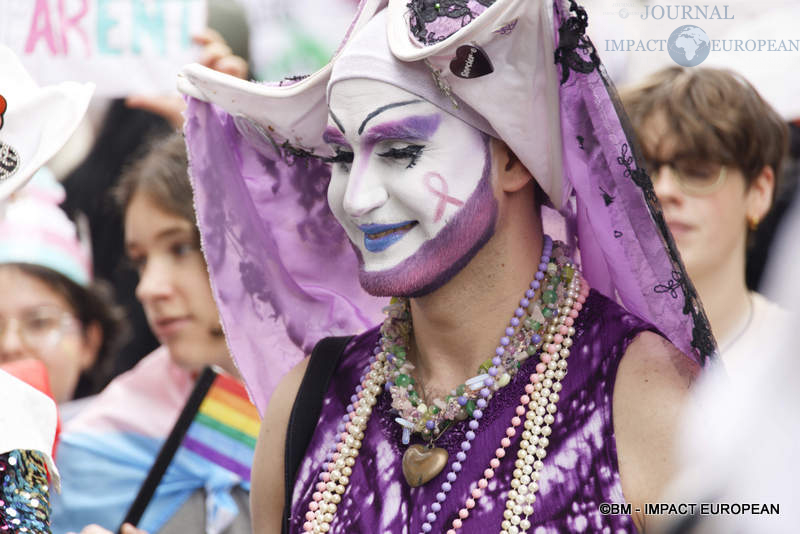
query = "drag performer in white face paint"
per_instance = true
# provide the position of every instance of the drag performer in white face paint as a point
(507, 389)
(411, 188)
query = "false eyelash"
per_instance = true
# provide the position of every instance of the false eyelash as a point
(410, 152)
(342, 156)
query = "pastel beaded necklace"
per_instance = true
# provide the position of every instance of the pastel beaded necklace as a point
(535, 412)
(520, 340)
(537, 405)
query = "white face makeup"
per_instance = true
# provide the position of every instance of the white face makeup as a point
(410, 185)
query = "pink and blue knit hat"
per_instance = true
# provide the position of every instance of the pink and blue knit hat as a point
(34, 230)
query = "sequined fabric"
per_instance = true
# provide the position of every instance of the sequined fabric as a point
(24, 495)
(580, 470)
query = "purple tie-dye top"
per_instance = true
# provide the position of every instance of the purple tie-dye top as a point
(580, 469)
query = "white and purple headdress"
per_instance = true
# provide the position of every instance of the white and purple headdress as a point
(520, 70)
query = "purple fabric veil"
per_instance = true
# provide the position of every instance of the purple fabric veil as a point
(282, 271)
(281, 268)
(626, 248)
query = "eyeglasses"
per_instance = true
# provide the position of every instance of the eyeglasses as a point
(694, 177)
(42, 327)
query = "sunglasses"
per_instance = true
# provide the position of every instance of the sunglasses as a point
(694, 177)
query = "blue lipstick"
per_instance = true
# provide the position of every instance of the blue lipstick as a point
(379, 237)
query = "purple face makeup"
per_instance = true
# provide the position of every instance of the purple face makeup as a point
(415, 128)
(333, 136)
(411, 186)
(441, 258)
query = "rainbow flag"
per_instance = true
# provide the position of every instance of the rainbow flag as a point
(108, 452)
(218, 424)
(225, 429)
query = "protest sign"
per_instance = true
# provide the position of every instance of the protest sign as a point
(124, 46)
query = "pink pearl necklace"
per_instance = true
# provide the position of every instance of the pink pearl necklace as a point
(541, 396)
(538, 407)
(336, 475)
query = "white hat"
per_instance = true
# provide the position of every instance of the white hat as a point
(35, 122)
(28, 418)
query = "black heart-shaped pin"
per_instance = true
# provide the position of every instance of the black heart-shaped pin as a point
(470, 62)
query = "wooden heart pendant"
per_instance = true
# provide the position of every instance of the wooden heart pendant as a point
(421, 464)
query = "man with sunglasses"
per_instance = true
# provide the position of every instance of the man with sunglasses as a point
(713, 148)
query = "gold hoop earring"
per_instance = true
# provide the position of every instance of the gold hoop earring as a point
(752, 222)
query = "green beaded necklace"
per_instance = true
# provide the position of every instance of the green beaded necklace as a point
(431, 418)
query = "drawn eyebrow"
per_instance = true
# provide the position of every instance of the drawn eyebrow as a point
(382, 109)
(336, 120)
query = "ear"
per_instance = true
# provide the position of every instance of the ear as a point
(92, 339)
(759, 195)
(511, 173)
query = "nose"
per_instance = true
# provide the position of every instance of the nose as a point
(11, 346)
(364, 193)
(154, 282)
(665, 184)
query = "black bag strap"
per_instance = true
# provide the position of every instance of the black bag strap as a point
(306, 409)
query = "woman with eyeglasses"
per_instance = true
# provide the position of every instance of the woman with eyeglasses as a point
(51, 308)
(714, 149)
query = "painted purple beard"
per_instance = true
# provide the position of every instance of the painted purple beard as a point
(442, 257)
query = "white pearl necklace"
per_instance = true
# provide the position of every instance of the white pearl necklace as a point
(541, 408)
(538, 407)
(334, 481)
(538, 418)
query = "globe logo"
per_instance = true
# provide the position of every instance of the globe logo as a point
(688, 45)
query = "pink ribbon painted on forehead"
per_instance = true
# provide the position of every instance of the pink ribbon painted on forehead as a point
(432, 179)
